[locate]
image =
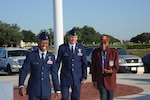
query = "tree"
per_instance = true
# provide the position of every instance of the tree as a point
(9, 34)
(51, 37)
(143, 37)
(88, 35)
(29, 36)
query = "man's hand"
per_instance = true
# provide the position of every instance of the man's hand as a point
(109, 71)
(83, 81)
(22, 91)
(57, 96)
(95, 85)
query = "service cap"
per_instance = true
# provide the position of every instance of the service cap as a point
(43, 36)
(73, 32)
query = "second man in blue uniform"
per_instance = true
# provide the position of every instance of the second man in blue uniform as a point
(74, 66)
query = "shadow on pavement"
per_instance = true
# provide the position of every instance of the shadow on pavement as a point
(135, 79)
(142, 97)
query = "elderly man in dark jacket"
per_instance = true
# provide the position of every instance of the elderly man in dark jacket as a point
(104, 68)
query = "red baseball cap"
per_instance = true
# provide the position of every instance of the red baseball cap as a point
(104, 38)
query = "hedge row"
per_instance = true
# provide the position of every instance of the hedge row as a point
(127, 46)
(134, 46)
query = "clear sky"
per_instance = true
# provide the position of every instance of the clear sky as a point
(123, 19)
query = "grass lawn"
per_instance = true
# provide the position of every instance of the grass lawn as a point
(139, 52)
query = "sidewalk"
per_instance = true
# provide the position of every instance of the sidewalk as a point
(138, 80)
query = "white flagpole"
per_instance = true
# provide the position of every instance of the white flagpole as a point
(58, 24)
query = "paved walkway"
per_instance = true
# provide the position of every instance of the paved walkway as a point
(138, 80)
(129, 87)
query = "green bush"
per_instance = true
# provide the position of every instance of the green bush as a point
(127, 46)
(139, 46)
(133, 46)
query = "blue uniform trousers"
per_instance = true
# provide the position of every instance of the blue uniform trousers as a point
(39, 98)
(75, 94)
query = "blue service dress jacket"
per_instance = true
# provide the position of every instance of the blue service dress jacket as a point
(39, 83)
(74, 66)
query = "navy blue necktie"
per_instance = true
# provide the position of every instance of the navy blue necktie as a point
(42, 56)
(72, 49)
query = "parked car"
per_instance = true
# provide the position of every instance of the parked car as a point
(146, 61)
(33, 48)
(11, 59)
(127, 62)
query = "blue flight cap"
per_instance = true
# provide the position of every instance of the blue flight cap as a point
(73, 32)
(43, 36)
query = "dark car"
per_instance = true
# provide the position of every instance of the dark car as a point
(146, 61)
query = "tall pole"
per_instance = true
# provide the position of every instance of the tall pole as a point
(58, 24)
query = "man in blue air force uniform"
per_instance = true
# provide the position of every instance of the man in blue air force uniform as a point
(40, 63)
(74, 66)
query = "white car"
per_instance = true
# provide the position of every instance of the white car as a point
(127, 62)
(11, 59)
